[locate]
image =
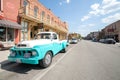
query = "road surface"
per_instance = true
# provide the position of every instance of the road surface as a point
(83, 61)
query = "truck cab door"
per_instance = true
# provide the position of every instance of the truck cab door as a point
(56, 43)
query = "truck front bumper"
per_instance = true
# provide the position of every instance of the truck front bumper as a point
(24, 60)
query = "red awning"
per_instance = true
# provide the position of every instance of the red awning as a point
(10, 24)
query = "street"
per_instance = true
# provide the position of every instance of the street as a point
(85, 60)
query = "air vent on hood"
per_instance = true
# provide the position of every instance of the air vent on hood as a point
(21, 45)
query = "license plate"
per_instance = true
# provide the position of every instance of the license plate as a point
(18, 61)
(27, 55)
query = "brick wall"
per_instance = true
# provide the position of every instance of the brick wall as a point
(10, 9)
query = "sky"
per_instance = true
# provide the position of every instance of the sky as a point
(85, 16)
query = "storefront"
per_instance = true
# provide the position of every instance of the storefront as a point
(9, 33)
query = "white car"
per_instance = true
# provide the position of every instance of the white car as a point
(73, 41)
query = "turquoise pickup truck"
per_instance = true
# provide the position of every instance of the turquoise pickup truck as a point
(38, 51)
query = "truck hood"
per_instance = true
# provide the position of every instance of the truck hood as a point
(32, 43)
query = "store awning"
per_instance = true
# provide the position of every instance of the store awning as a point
(10, 24)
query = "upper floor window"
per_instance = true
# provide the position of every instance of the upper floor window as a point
(25, 3)
(42, 15)
(1, 5)
(35, 11)
(48, 18)
(51, 22)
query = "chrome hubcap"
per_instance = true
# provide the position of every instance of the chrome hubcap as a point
(47, 59)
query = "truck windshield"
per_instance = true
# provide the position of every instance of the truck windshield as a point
(43, 36)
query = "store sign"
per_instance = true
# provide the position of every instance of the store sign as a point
(110, 30)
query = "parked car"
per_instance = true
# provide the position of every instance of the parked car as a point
(73, 41)
(110, 41)
(39, 51)
(102, 40)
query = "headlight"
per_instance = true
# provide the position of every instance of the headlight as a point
(12, 53)
(34, 53)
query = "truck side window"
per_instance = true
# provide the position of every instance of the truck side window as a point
(54, 36)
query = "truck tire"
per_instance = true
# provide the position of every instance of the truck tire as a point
(63, 50)
(47, 60)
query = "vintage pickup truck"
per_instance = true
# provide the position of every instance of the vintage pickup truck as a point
(38, 51)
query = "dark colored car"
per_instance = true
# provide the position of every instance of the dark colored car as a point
(110, 41)
(102, 40)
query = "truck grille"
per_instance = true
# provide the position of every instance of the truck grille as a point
(22, 53)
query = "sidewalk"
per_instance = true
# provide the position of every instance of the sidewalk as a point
(3, 58)
(3, 55)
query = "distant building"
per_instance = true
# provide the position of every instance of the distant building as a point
(74, 35)
(9, 27)
(93, 35)
(112, 31)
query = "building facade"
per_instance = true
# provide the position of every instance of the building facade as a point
(74, 35)
(35, 18)
(93, 36)
(112, 31)
(9, 27)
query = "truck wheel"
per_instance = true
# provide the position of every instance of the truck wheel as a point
(63, 50)
(47, 60)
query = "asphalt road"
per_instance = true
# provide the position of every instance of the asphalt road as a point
(83, 61)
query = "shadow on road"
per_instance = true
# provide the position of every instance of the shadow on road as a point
(18, 67)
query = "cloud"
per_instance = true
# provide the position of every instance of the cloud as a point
(95, 6)
(68, 1)
(106, 7)
(112, 18)
(85, 29)
(84, 32)
(60, 3)
(88, 25)
(65, 1)
(85, 18)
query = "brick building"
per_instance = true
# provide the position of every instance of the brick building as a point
(112, 31)
(35, 17)
(9, 28)
(32, 16)
(93, 36)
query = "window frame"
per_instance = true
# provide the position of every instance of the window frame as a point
(1, 5)
(36, 9)
(42, 15)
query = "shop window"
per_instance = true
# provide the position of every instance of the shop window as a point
(10, 34)
(6, 34)
(24, 30)
(35, 11)
(24, 26)
(2, 34)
